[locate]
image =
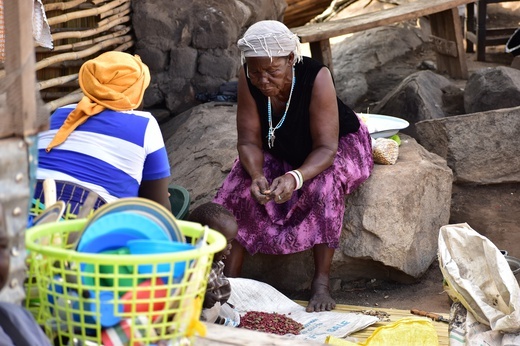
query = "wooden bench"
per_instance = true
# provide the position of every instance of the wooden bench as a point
(446, 27)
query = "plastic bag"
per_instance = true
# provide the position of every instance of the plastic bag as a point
(252, 295)
(464, 330)
(406, 331)
(333, 340)
(479, 277)
(385, 151)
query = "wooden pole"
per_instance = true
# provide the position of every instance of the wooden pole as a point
(85, 13)
(49, 83)
(114, 17)
(18, 125)
(80, 44)
(124, 46)
(20, 119)
(91, 32)
(63, 5)
(81, 54)
(53, 95)
(73, 97)
(124, 7)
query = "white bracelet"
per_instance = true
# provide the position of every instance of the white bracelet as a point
(300, 175)
(297, 177)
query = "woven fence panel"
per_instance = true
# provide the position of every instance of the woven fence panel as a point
(80, 30)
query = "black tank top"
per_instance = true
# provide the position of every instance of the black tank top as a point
(293, 139)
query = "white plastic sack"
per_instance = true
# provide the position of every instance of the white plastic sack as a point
(464, 330)
(480, 277)
(40, 26)
(252, 295)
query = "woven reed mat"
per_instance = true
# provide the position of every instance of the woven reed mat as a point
(388, 316)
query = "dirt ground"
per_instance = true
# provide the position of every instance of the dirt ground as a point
(493, 211)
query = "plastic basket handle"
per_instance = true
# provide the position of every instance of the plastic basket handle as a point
(49, 192)
(202, 241)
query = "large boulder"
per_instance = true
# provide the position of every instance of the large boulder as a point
(492, 88)
(353, 57)
(395, 216)
(190, 45)
(480, 148)
(418, 97)
(391, 221)
(201, 145)
(356, 56)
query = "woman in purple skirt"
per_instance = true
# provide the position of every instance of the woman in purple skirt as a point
(301, 150)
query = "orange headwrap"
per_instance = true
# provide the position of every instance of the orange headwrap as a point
(113, 80)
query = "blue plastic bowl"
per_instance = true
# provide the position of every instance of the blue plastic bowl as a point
(153, 247)
(114, 230)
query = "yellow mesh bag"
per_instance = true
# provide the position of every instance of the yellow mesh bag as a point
(406, 331)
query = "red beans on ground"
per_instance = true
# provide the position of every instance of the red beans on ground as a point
(273, 323)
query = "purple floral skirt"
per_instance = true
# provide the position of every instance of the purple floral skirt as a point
(314, 214)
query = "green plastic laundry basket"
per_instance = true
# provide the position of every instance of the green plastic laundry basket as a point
(71, 309)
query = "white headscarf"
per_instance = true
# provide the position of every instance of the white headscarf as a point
(269, 38)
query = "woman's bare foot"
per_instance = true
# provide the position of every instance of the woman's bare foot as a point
(321, 299)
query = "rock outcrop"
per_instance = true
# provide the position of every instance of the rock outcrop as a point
(190, 45)
(418, 97)
(395, 216)
(492, 88)
(480, 148)
(354, 56)
(201, 145)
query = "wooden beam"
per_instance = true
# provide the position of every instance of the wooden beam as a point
(446, 25)
(447, 33)
(321, 51)
(412, 10)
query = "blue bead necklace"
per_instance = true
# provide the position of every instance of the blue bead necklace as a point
(270, 134)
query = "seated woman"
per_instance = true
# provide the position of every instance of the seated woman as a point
(300, 151)
(104, 143)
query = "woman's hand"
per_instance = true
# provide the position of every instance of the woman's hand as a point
(282, 188)
(260, 190)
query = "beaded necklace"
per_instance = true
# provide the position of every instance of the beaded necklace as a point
(270, 134)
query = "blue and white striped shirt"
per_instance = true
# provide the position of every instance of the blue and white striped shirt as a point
(111, 153)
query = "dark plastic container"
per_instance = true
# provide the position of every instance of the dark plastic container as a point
(180, 201)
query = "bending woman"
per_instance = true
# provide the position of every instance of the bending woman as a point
(300, 151)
